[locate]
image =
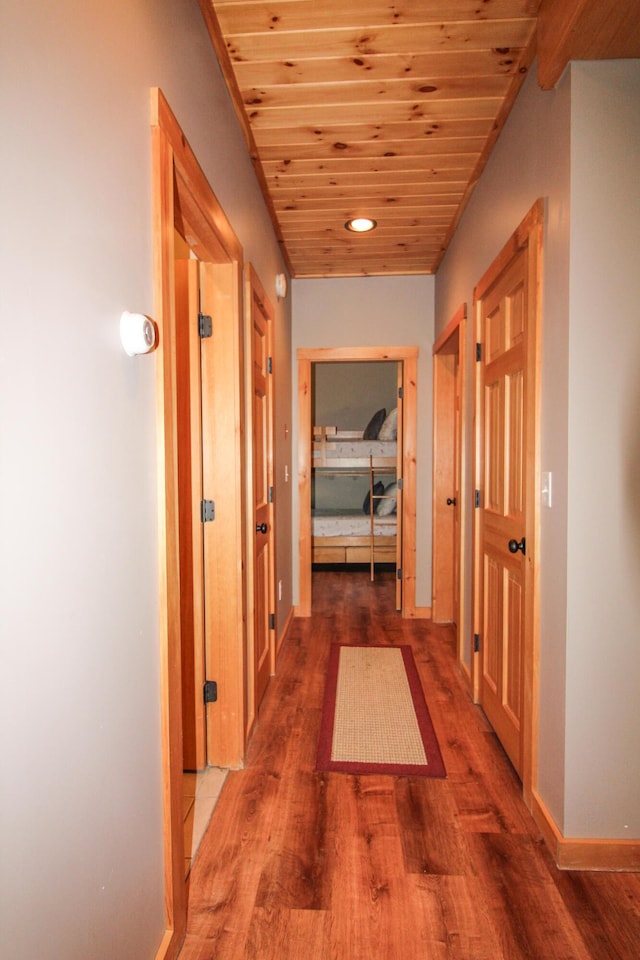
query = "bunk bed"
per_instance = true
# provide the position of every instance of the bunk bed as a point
(355, 530)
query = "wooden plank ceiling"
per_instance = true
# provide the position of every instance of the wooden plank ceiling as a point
(370, 108)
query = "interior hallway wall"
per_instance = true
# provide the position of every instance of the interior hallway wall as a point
(81, 864)
(579, 148)
(376, 312)
(531, 160)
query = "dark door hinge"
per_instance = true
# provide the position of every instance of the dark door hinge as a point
(400, 482)
(205, 326)
(400, 393)
(272, 621)
(210, 691)
(478, 351)
(399, 573)
(270, 494)
(269, 365)
(207, 511)
(476, 499)
(476, 642)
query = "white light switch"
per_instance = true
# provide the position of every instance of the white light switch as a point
(545, 493)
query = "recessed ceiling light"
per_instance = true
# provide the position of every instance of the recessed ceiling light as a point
(361, 224)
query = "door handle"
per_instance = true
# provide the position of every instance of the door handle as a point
(514, 546)
(451, 501)
(261, 528)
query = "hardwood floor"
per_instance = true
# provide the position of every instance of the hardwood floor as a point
(298, 865)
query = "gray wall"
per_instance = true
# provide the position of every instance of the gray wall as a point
(578, 147)
(81, 833)
(377, 312)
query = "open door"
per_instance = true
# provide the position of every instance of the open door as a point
(189, 440)
(506, 573)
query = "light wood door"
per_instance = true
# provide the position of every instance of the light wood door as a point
(446, 492)
(503, 326)
(261, 574)
(399, 494)
(189, 440)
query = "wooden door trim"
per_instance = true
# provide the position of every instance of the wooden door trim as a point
(457, 326)
(408, 356)
(182, 200)
(528, 234)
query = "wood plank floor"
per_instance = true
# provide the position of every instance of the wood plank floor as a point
(298, 865)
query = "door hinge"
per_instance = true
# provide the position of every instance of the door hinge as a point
(269, 365)
(270, 494)
(478, 351)
(210, 691)
(476, 499)
(399, 573)
(400, 482)
(476, 642)
(207, 511)
(400, 393)
(205, 326)
(272, 621)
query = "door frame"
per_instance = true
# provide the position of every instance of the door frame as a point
(452, 340)
(529, 235)
(183, 201)
(408, 356)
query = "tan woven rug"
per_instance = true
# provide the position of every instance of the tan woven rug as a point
(375, 719)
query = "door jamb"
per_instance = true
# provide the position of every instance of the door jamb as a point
(528, 234)
(183, 200)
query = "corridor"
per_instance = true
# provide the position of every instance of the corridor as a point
(298, 864)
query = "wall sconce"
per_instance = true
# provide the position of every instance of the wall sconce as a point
(137, 333)
(281, 286)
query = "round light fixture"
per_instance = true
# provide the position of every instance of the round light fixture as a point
(361, 225)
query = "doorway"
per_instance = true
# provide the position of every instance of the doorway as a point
(406, 360)
(506, 540)
(184, 204)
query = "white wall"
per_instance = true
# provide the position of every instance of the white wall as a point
(603, 666)
(81, 833)
(368, 312)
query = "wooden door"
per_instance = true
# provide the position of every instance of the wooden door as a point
(261, 572)
(446, 494)
(502, 522)
(506, 557)
(399, 472)
(189, 440)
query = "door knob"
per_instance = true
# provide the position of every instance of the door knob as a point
(514, 546)
(261, 528)
(451, 501)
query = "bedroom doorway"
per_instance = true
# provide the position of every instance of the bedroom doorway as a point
(387, 477)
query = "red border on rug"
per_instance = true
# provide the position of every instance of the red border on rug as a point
(435, 764)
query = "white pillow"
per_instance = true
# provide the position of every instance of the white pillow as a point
(390, 502)
(389, 429)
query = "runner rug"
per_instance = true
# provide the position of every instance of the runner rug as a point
(374, 716)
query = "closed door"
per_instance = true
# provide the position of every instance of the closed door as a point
(503, 326)
(261, 585)
(446, 483)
